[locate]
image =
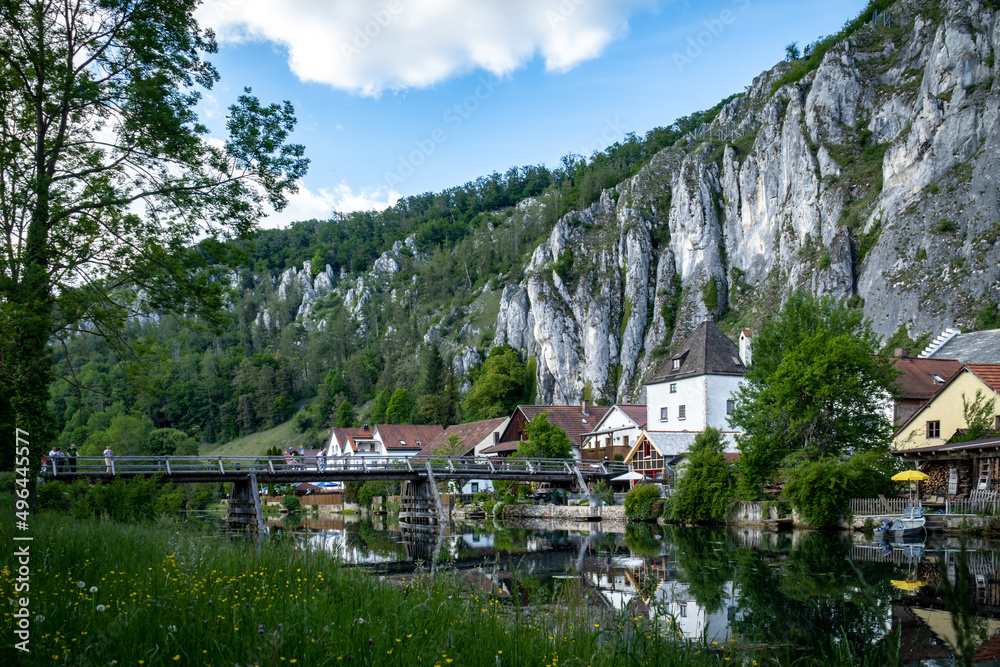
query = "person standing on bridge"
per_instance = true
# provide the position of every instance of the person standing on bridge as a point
(72, 458)
(107, 457)
(321, 460)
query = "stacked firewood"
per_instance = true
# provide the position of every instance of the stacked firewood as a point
(937, 484)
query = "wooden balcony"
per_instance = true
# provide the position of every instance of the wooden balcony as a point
(598, 453)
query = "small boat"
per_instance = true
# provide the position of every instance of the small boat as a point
(908, 524)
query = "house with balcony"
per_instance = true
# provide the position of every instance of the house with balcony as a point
(382, 441)
(615, 434)
(695, 388)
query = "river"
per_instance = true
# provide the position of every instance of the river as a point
(799, 588)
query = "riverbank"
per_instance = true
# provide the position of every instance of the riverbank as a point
(156, 594)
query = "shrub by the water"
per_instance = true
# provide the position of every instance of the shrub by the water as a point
(291, 502)
(820, 489)
(707, 484)
(640, 501)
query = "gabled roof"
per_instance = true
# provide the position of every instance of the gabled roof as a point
(406, 436)
(707, 351)
(570, 418)
(976, 347)
(988, 373)
(918, 378)
(345, 436)
(637, 413)
(471, 435)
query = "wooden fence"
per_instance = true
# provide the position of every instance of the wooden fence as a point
(880, 506)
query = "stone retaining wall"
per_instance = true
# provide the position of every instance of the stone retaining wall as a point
(609, 512)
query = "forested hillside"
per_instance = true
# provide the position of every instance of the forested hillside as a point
(861, 170)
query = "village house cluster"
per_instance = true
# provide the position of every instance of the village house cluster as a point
(696, 388)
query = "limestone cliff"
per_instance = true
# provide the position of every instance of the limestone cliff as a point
(872, 178)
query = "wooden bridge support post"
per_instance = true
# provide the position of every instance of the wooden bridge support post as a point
(244, 515)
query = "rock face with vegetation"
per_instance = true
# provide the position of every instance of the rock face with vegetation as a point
(866, 171)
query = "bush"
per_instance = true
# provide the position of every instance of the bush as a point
(51, 496)
(707, 484)
(488, 506)
(478, 497)
(639, 502)
(291, 502)
(820, 489)
(604, 492)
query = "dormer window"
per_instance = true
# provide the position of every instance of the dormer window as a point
(937, 378)
(402, 442)
(677, 363)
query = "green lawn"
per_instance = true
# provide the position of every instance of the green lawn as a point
(281, 436)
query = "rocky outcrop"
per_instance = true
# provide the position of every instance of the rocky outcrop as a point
(873, 178)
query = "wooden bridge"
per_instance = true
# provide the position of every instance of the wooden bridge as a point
(420, 500)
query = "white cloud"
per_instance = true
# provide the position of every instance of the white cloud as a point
(321, 204)
(367, 47)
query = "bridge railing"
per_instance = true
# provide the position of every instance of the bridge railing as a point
(444, 465)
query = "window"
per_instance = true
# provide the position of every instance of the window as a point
(607, 441)
(624, 441)
(673, 387)
(934, 429)
(677, 364)
(730, 405)
(496, 437)
(684, 610)
(475, 487)
(997, 425)
(663, 414)
(418, 444)
(682, 412)
(646, 452)
(402, 442)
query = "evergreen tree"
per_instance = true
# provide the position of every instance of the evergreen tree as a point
(345, 416)
(380, 406)
(400, 407)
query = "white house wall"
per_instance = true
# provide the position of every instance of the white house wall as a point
(621, 424)
(704, 398)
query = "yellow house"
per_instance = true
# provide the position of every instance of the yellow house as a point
(940, 417)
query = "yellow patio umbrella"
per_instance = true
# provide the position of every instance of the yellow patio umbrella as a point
(908, 584)
(910, 476)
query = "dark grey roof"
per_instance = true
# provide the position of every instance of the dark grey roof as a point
(707, 351)
(977, 347)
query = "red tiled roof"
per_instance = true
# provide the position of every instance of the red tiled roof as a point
(988, 373)
(917, 380)
(471, 434)
(345, 436)
(636, 413)
(406, 436)
(570, 418)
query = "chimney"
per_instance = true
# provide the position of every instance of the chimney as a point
(583, 406)
(902, 353)
(746, 355)
(366, 427)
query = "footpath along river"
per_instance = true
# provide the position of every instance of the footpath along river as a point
(798, 588)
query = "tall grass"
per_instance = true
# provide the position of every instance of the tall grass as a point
(167, 597)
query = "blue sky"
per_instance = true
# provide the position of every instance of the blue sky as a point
(439, 92)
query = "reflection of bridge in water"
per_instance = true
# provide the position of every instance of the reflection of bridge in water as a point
(420, 500)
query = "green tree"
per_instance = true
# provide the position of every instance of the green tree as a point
(707, 484)
(454, 447)
(167, 441)
(400, 407)
(545, 440)
(380, 406)
(127, 434)
(980, 415)
(817, 385)
(792, 51)
(497, 387)
(345, 416)
(114, 202)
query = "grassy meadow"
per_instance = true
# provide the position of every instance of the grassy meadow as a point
(109, 593)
